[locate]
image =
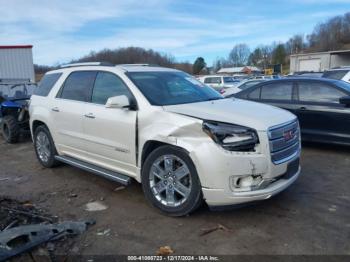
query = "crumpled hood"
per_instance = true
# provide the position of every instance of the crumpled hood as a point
(236, 111)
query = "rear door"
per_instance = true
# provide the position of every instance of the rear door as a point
(321, 115)
(67, 112)
(110, 133)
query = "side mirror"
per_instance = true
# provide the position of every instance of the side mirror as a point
(345, 100)
(118, 102)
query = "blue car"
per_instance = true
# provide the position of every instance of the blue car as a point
(14, 116)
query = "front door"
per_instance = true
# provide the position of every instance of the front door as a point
(279, 94)
(110, 133)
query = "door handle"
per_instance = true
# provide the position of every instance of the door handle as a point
(55, 109)
(90, 115)
(302, 108)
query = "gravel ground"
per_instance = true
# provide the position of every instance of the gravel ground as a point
(311, 217)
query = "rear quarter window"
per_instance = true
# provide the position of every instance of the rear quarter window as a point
(336, 74)
(46, 84)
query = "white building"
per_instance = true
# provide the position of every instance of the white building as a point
(16, 63)
(319, 62)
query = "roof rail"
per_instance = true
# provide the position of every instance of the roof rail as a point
(87, 64)
(125, 65)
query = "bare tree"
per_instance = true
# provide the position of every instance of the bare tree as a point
(295, 44)
(239, 55)
(221, 62)
(255, 58)
(333, 34)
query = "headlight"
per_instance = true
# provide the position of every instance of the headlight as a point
(231, 137)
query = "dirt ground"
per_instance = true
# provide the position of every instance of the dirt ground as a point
(311, 217)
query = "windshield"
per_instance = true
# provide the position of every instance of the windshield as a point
(11, 91)
(172, 88)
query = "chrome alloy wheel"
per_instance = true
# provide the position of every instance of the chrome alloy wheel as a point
(170, 180)
(43, 146)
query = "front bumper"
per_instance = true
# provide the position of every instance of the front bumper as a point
(220, 197)
(222, 167)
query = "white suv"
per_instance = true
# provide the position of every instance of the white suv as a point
(219, 82)
(182, 140)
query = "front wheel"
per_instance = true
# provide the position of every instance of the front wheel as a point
(170, 181)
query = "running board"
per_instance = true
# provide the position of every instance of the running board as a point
(111, 175)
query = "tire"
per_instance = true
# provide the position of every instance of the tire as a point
(10, 129)
(162, 181)
(44, 147)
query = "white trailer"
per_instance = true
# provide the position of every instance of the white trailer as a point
(16, 63)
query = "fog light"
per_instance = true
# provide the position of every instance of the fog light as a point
(245, 183)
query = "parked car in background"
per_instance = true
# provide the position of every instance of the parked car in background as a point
(178, 137)
(219, 82)
(240, 77)
(306, 74)
(321, 105)
(241, 86)
(341, 73)
(265, 77)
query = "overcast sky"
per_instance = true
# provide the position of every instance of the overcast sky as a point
(61, 30)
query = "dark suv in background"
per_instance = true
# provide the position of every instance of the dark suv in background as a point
(322, 105)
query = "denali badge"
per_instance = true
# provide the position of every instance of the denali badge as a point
(288, 135)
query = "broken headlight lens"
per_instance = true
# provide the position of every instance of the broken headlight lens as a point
(231, 137)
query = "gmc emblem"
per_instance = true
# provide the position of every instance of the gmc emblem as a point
(288, 135)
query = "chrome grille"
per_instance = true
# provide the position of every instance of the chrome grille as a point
(284, 141)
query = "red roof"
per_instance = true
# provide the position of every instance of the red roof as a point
(15, 46)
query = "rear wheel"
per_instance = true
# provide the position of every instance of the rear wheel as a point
(10, 129)
(170, 181)
(44, 147)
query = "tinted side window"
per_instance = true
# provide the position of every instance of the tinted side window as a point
(46, 84)
(78, 86)
(319, 92)
(207, 80)
(255, 94)
(108, 85)
(216, 80)
(277, 91)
